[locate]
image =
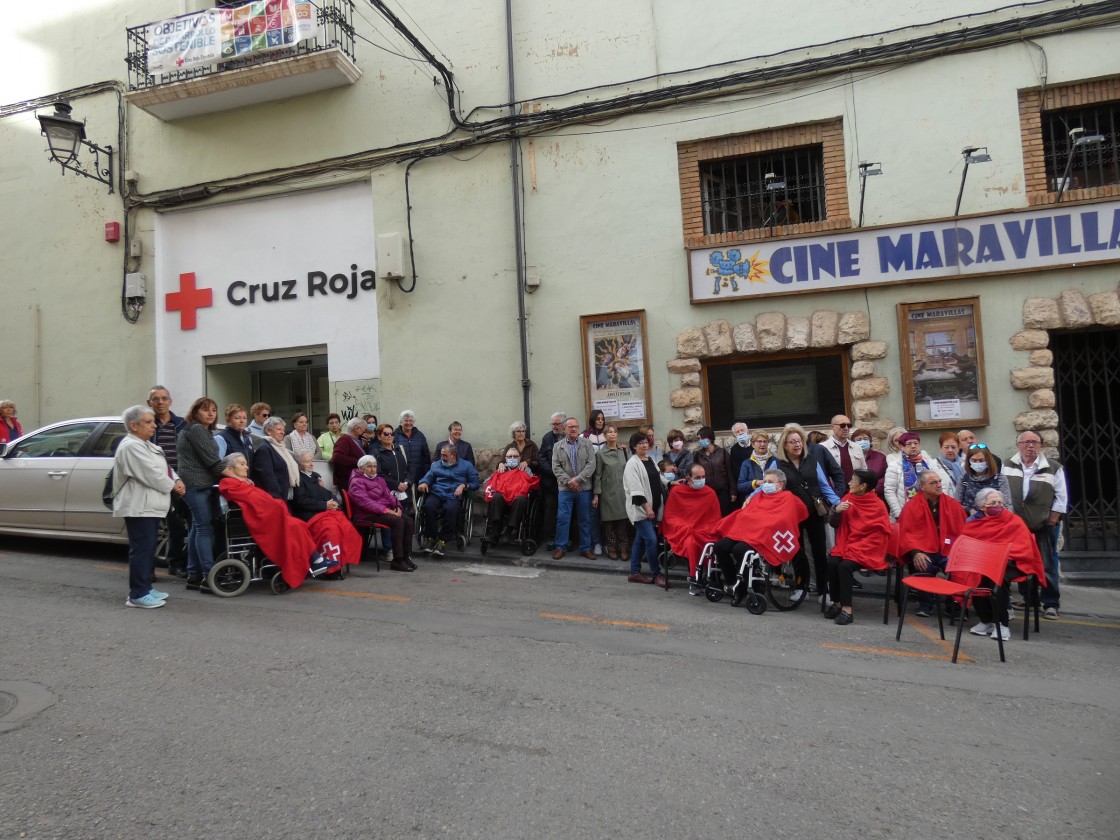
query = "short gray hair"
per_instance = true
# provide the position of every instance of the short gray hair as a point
(232, 458)
(780, 477)
(132, 415)
(517, 426)
(272, 423)
(355, 422)
(407, 413)
(366, 460)
(983, 495)
(563, 417)
(923, 473)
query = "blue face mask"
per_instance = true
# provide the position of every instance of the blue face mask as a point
(698, 483)
(978, 467)
(768, 487)
(669, 476)
(744, 440)
(864, 444)
(512, 463)
(705, 443)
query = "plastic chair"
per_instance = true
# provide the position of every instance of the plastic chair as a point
(371, 528)
(969, 558)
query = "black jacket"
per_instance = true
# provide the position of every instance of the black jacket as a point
(309, 496)
(269, 472)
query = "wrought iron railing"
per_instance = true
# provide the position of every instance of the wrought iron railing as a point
(334, 30)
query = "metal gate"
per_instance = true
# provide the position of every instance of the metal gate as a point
(1087, 385)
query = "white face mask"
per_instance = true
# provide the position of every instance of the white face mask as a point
(744, 440)
(978, 467)
(864, 444)
(512, 463)
(677, 445)
(769, 487)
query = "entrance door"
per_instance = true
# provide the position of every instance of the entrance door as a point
(1087, 374)
(289, 384)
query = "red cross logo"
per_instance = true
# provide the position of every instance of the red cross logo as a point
(785, 542)
(188, 300)
(331, 552)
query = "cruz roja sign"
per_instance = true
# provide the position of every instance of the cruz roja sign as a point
(349, 285)
(1030, 240)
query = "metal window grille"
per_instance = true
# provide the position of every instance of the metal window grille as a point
(736, 194)
(335, 20)
(1093, 165)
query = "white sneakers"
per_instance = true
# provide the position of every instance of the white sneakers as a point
(1004, 631)
(990, 630)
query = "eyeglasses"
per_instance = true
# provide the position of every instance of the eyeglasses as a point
(386, 434)
(1030, 443)
(972, 446)
(842, 425)
(265, 414)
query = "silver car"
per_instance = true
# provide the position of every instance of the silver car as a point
(51, 481)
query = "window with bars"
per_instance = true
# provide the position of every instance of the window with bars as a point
(766, 190)
(1093, 164)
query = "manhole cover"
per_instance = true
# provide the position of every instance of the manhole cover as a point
(7, 703)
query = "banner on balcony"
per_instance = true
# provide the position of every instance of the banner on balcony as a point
(217, 35)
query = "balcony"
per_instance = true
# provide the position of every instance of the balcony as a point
(171, 84)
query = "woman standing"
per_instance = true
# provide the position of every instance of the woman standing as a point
(142, 488)
(950, 461)
(274, 468)
(901, 482)
(300, 439)
(717, 466)
(608, 497)
(9, 425)
(680, 457)
(327, 438)
(982, 472)
(200, 467)
(876, 460)
(807, 479)
(527, 451)
(596, 424)
(750, 473)
(641, 483)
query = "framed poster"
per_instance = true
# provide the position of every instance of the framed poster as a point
(942, 355)
(616, 366)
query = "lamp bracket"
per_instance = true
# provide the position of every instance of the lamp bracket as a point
(95, 170)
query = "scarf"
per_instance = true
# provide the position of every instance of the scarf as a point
(289, 461)
(865, 532)
(917, 531)
(690, 518)
(910, 474)
(770, 524)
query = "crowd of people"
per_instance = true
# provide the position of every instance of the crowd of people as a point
(838, 504)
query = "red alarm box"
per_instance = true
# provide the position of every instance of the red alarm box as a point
(112, 231)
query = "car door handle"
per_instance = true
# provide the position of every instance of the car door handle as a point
(58, 473)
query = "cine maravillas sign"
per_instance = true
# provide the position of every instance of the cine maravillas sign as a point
(1029, 240)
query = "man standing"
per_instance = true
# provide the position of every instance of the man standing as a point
(737, 453)
(168, 426)
(261, 411)
(573, 464)
(1038, 494)
(849, 456)
(549, 489)
(928, 525)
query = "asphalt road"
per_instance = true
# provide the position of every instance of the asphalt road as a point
(533, 703)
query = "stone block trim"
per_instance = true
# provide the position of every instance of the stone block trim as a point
(1032, 104)
(828, 134)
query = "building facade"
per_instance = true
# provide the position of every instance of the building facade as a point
(909, 212)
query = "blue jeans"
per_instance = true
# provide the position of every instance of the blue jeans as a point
(200, 538)
(936, 564)
(143, 533)
(582, 503)
(645, 542)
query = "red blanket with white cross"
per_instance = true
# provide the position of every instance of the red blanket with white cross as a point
(768, 523)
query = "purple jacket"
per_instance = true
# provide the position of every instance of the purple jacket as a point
(370, 495)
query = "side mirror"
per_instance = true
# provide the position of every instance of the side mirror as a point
(3, 449)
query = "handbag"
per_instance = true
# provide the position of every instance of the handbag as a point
(821, 505)
(107, 494)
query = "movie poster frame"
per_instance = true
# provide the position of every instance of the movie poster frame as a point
(587, 325)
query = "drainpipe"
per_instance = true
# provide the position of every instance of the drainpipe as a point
(518, 225)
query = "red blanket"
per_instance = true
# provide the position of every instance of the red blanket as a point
(770, 524)
(865, 531)
(336, 537)
(1009, 528)
(689, 522)
(510, 484)
(285, 540)
(916, 531)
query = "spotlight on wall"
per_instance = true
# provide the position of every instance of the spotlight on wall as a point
(65, 138)
(1078, 140)
(866, 170)
(970, 157)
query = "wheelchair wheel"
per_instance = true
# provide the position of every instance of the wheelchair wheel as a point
(461, 542)
(229, 577)
(756, 604)
(163, 544)
(278, 584)
(483, 545)
(528, 547)
(781, 583)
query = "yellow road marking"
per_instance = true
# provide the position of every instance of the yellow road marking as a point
(890, 652)
(1082, 623)
(112, 568)
(349, 594)
(610, 621)
(944, 644)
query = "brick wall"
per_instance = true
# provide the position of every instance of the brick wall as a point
(829, 135)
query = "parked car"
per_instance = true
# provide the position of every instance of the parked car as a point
(51, 481)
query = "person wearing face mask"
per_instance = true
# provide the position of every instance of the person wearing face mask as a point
(876, 460)
(901, 482)
(750, 471)
(980, 471)
(863, 532)
(688, 524)
(507, 494)
(680, 457)
(717, 466)
(446, 482)
(737, 454)
(772, 510)
(994, 523)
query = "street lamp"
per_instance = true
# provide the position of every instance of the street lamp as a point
(866, 169)
(970, 156)
(65, 138)
(1080, 141)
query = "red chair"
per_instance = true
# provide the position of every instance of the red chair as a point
(369, 528)
(969, 559)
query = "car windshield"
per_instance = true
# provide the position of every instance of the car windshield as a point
(64, 441)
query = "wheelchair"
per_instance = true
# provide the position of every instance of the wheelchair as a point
(525, 530)
(243, 562)
(760, 581)
(464, 527)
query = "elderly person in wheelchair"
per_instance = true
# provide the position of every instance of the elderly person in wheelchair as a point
(317, 547)
(445, 485)
(691, 515)
(507, 494)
